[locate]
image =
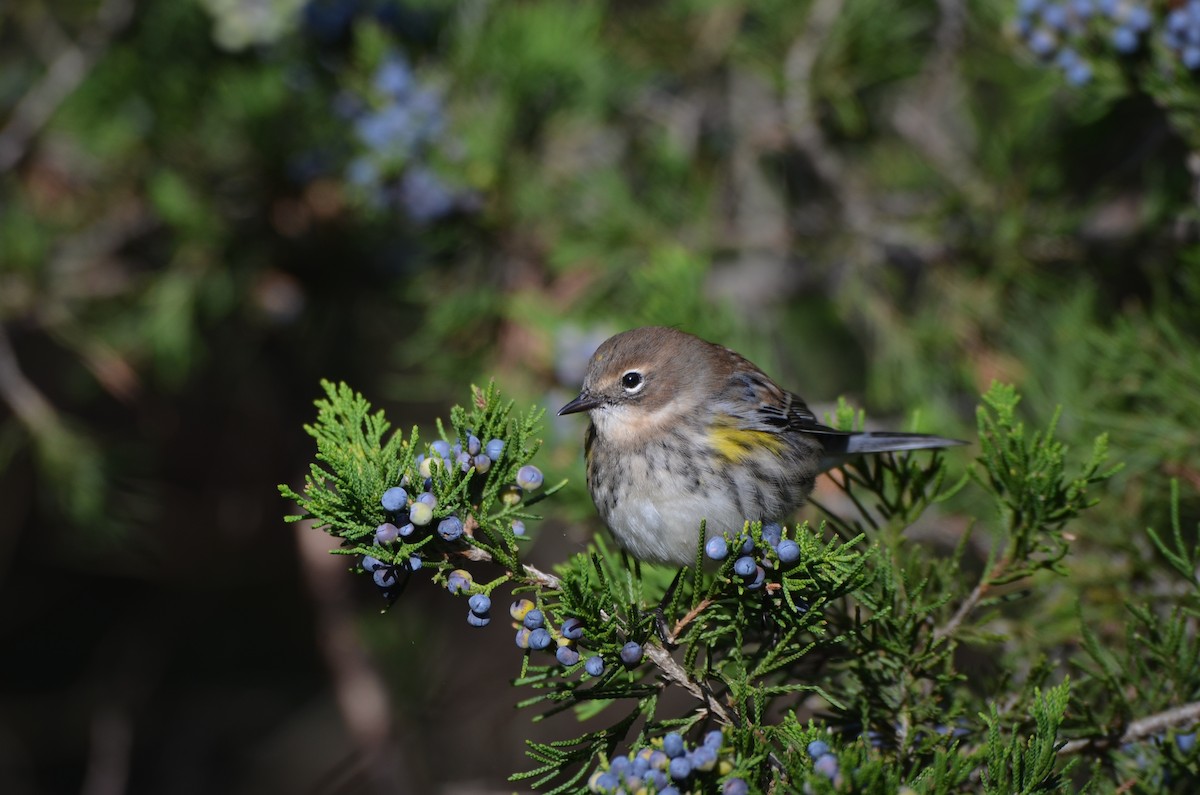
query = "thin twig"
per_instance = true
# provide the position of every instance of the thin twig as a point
(1185, 715)
(540, 577)
(921, 117)
(674, 672)
(802, 125)
(970, 603)
(28, 403)
(66, 72)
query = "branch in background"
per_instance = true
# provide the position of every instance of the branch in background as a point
(1186, 715)
(66, 72)
(873, 236)
(922, 117)
(802, 125)
(28, 404)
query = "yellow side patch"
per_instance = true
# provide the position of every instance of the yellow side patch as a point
(737, 444)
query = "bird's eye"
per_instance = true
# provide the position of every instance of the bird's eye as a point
(632, 381)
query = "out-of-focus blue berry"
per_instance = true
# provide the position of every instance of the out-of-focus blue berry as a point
(406, 529)
(1185, 742)
(760, 578)
(566, 655)
(427, 498)
(414, 562)
(1029, 7)
(476, 620)
(393, 77)
(371, 564)
(747, 544)
(391, 128)
(714, 739)
(394, 499)
(1178, 22)
(479, 603)
(424, 196)
(673, 745)
(530, 477)
(520, 609)
(465, 461)
(534, 619)
(1042, 42)
(1066, 58)
(640, 764)
(744, 567)
(1083, 8)
(481, 463)
(1125, 40)
(522, 638)
(1079, 75)
(518, 527)
(668, 790)
(1139, 18)
(772, 533)
(441, 447)
(827, 766)
(735, 786)
(606, 782)
(620, 765)
(539, 638)
(386, 533)
(572, 629)
(594, 665)
(1055, 15)
(788, 551)
(631, 653)
(1191, 57)
(716, 548)
(459, 581)
(1108, 7)
(473, 445)
(817, 748)
(680, 768)
(450, 528)
(494, 448)
(420, 514)
(385, 578)
(703, 759)
(659, 760)
(511, 494)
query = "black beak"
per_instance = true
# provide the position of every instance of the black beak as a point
(584, 402)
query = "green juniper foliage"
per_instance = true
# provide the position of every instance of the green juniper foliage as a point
(842, 664)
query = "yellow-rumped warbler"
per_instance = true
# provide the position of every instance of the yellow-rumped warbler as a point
(683, 430)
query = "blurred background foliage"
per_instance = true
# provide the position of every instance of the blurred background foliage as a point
(208, 205)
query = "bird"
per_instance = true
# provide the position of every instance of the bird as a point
(683, 430)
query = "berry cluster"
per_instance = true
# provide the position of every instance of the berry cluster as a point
(1056, 32)
(532, 633)
(1182, 33)
(776, 551)
(669, 767)
(405, 518)
(475, 454)
(411, 518)
(397, 122)
(824, 761)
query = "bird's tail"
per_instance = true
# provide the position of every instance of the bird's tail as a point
(839, 447)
